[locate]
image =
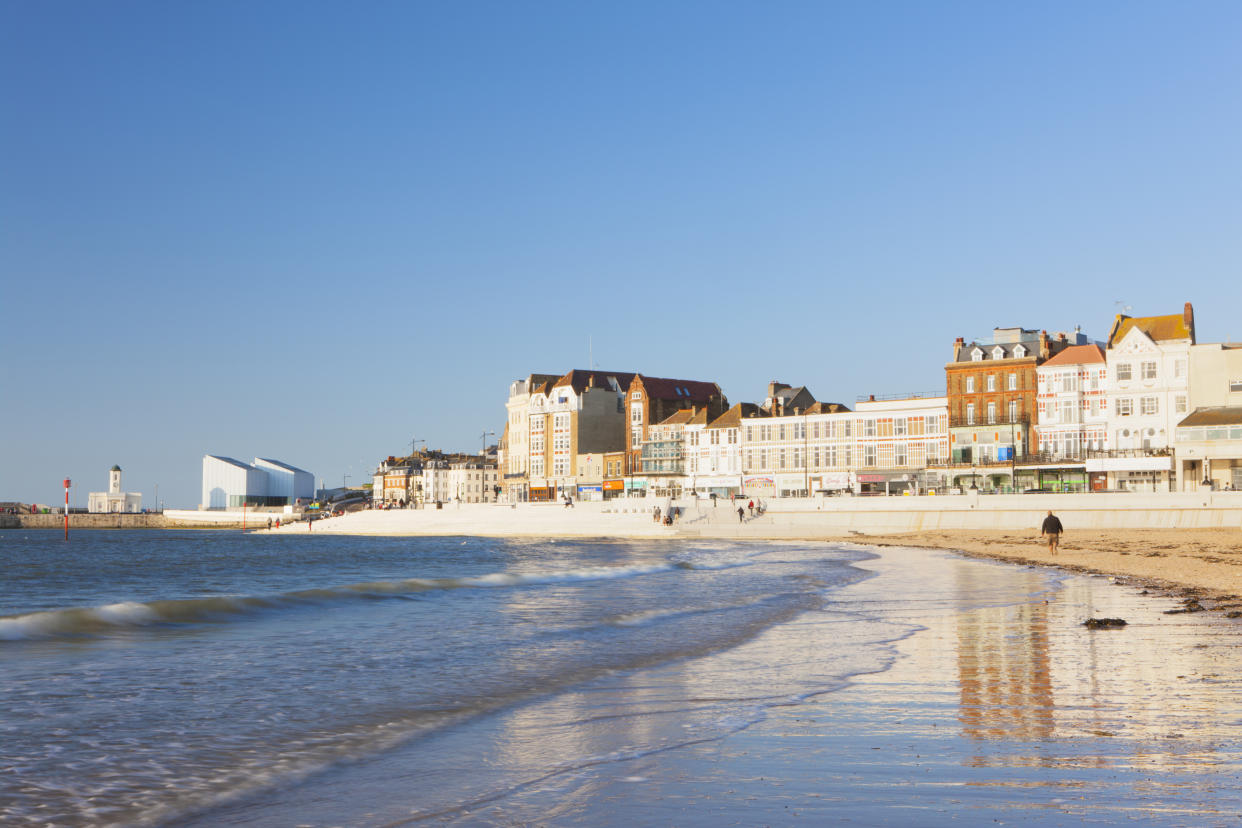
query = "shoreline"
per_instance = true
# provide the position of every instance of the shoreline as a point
(1203, 566)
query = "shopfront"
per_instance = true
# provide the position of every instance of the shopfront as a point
(759, 486)
(613, 489)
(589, 493)
(719, 486)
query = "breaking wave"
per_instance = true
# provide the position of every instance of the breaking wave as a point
(75, 622)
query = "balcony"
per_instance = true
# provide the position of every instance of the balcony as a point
(1021, 421)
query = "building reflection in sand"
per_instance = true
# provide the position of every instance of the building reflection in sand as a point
(1046, 691)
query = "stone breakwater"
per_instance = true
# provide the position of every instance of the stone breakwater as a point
(86, 521)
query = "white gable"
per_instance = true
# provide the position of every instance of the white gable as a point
(1135, 342)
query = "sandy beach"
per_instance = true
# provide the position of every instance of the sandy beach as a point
(1203, 565)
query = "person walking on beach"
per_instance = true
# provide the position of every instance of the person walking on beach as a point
(750, 507)
(741, 513)
(1052, 530)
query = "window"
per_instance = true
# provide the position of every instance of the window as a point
(998, 352)
(1019, 352)
(636, 413)
(992, 383)
(1013, 382)
(1125, 407)
(970, 385)
(970, 414)
(1179, 368)
(1149, 405)
(1123, 371)
(976, 355)
(869, 455)
(1149, 370)
(1013, 411)
(1235, 386)
(637, 395)
(899, 426)
(991, 413)
(868, 428)
(899, 454)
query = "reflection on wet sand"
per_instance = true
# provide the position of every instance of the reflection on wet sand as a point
(1048, 692)
(1003, 673)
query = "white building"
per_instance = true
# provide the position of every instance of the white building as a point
(1209, 439)
(1148, 364)
(896, 440)
(230, 484)
(713, 450)
(515, 464)
(1072, 403)
(286, 482)
(471, 481)
(114, 500)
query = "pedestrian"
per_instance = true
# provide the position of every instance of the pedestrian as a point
(750, 507)
(656, 512)
(741, 513)
(713, 496)
(269, 523)
(1052, 530)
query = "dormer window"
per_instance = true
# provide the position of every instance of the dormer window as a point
(1019, 352)
(998, 352)
(976, 355)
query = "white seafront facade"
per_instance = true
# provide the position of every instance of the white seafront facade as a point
(1148, 366)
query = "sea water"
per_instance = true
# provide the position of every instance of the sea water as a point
(147, 676)
(214, 678)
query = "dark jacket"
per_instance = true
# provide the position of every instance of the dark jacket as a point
(1052, 524)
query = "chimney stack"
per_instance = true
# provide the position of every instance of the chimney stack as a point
(1188, 315)
(957, 346)
(1044, 350)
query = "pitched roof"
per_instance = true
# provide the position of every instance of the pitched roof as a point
(1158, 328)
(280, 465)
(661, 388)
(733, 417)
(1030, 348)
(580, 379)
(826, 408)
(678, 417)
(1221, 415)
(699, 418)
(1078, 355)
(224, 459)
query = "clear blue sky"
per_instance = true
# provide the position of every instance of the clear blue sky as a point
(314, 231)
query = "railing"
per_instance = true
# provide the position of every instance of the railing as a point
(913, 395)
(1156, 452)
(1021, 421)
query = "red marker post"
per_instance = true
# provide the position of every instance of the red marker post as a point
(66, 508)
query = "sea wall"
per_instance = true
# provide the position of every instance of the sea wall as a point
(83, 521)
(802, 518)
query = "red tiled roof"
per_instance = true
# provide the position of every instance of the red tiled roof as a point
(1078, 355)
(660, 388)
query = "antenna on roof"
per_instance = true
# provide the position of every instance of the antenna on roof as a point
(1121, 303)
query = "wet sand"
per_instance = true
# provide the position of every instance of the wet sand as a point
(988, 703)
(1201, 566)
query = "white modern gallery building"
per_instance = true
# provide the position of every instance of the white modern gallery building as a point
(229, 483)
